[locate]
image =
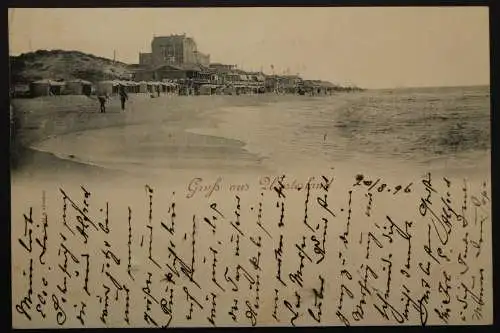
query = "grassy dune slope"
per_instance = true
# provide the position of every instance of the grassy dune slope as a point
(67, 65)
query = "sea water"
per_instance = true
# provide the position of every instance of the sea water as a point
(445, 129)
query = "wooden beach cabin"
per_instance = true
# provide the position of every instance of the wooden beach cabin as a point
(109, 87)
(290, 84)
(124, 84)
(153, 87)
(143, 87)
(208, 89)
(130, 86)
(257, 82)
(167, 87)
(243, 83)
(150, 87)
(134, 87)
(204, 89)
(272, 83)
(318, 87)
(46, 87)
(219, 90)
(20, 90)
(327, 87)
(172, 88)
(229, 89)
(78, 87)
(310, 87)
(104, 87)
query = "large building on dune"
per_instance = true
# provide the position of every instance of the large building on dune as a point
(176, 50)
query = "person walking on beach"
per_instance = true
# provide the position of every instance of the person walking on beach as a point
(123, 96)
(102, 100)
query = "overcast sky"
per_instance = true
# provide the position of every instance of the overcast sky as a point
(369, 47)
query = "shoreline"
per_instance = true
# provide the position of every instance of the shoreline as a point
(61, 136)
(43, 118)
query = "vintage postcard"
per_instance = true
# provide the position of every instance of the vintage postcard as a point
(239, 167)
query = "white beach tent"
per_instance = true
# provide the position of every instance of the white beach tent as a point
(133, 87)
(40, 88)
(164, 87)
(171, 87)
(208, 89)
(129, 86)
(143, 87)
(46, 87)
(205, 89)
(150, 87)
(153, 86)
(107, 87)
(78, 87)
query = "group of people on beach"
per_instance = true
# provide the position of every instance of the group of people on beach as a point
(104, 97)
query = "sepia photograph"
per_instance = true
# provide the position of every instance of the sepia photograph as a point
(206, 109)
(152, 91)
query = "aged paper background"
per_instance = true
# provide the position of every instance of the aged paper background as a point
(357, 208)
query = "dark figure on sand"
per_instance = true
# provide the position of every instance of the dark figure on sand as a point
(123, 96)
(102, 100)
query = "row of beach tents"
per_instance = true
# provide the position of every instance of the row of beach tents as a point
(111, 87)
(49, 87)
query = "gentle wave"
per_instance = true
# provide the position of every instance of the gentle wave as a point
(435, 128)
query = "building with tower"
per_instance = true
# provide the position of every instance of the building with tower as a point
(176, 50)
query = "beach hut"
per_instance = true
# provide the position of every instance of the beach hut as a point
(107, 87)
(78, 87)
(173, 88)
(164, 87)
(150, 87)
(125, 84)
(229, 90)
(242, 88)
(40, 88)
(21, 90)
(46, 88)
(134, 87)
(219, 89)
(104, 87)
(129, 86)
(143, 87)
(158, 87)
(206, 89)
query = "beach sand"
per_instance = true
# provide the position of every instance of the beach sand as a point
(51, 117)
